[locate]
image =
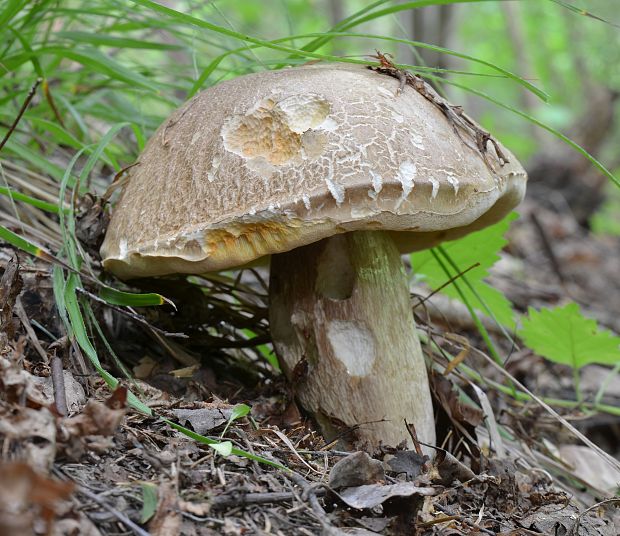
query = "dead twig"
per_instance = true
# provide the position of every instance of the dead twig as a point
(118, 515)
(58, 381)
(548, 248)
(454, 114)
(29, 97)
(462, 519)
(23, 317)
(309, 493)
(244, 499)
(52, 103)
(448, 282)
(574, 530)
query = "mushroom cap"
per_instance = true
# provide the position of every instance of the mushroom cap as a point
(268, 162)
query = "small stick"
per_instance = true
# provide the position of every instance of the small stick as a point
(453, 278)
(310, 494)
(575, 528)
(548, 248)
(118, 515)
(58, 381)
(52, 103)
(29, 97)
(462, 519)
(454, 114)
(244, 499)
(23, 317)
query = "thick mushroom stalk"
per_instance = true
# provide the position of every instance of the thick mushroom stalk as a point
(342, 325)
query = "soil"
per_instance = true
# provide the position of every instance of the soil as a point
(77, 460)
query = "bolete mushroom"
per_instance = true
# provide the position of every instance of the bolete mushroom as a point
(334, 173)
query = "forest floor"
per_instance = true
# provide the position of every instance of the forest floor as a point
(105, 469)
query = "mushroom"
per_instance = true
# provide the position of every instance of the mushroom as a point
(332, 172)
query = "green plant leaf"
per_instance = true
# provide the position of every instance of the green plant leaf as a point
(18, 196)
(238, 411)
(205, 440)
(119, 297)
(149, 501)
(224, 448)
(479, 247)
(564, 335)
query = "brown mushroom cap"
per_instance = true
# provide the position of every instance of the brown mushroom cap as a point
(269, 162)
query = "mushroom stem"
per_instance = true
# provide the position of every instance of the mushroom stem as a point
(342, 326)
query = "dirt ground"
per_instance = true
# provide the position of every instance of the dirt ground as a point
(76, 460)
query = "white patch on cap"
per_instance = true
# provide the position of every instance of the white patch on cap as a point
(407, 172)
(195, 137)
(215, 164)
(377, 181)
(122, 248)
(329, 125)
(416, 141)
(337, 190)
(435, 184)
(453, 181)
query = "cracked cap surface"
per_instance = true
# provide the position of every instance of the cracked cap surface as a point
(272, 161)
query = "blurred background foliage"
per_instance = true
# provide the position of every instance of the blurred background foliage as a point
(105, 62)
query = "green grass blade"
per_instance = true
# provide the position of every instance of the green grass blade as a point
(508, 74)
(77, 329)
(406, 6)
(584, 13)
(10, 10)
(59, 134)
(34, 158)
(481, 329)
(598, 165)
(94, 60)
(119, 297)
(33, 201)
(98, 39)
(21, 243)
(237, 452)
(199, 23)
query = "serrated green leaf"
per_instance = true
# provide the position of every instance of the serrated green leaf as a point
(563, 335)
(480, 247)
